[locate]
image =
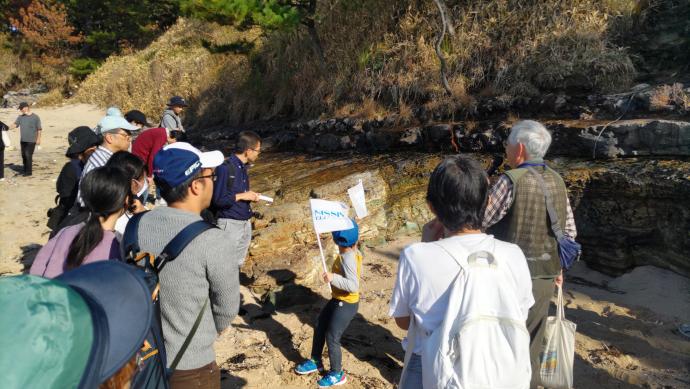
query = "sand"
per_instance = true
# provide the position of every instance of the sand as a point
(626, 326)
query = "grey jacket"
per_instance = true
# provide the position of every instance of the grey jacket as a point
(201, 272)
(171, 121)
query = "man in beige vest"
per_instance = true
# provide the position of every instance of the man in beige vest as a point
(516, 212)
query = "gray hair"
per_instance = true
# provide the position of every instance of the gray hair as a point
(533, 135)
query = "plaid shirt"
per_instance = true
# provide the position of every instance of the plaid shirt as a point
(501, 199)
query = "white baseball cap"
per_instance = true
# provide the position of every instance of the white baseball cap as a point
(209, 159)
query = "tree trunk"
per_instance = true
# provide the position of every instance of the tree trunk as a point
(316, 41)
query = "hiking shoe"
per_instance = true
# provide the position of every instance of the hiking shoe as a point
(309, 366)
(332, 379)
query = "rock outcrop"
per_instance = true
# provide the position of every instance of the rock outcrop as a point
(628, 212)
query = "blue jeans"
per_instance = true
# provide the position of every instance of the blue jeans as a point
(413, 374)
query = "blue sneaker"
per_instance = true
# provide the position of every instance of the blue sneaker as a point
(309, 366)
(332, 379)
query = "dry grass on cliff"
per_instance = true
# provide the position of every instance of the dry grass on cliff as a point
(176, 64)
(379, 57)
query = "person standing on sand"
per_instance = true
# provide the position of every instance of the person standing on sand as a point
(336, 316)
(516, 212)
(107, 195)
(82, 143)
(150, 141)
(3, 127)
(29, 125)
(456, 195)
(200, 273)
(171, 116)
(232, 197)
(116, 133)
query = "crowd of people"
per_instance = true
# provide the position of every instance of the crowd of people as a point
(489, 249)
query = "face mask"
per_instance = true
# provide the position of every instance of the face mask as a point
(143, 192)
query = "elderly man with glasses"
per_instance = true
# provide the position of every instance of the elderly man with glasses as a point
(116, 134)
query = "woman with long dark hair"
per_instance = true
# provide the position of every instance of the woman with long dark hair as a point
(135, 169)
(107, 194)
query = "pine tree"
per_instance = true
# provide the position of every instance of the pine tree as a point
(268, 14)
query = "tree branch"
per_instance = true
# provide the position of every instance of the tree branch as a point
(445, 26)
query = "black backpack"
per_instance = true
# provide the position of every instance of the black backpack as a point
(152, 371)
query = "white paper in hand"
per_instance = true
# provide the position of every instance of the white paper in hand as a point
(266, 198)
(358, 200)
(329, 216)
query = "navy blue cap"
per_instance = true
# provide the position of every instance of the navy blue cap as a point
(347, 238)
(179, 161)
(121, 306)
(177, 101)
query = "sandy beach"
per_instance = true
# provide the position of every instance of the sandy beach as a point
(626, 326)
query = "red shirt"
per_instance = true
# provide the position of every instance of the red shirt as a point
(148, 143)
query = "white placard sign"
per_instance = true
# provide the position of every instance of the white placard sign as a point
(329, 216)
(358, 201)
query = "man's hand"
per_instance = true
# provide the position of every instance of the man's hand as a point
(559, 280)
(432, 231)
(248, 196)
(327, 277)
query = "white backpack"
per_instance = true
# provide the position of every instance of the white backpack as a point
(483, 341)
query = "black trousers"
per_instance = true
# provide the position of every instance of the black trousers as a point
(2, 159)
(27, 156)
(333, 321)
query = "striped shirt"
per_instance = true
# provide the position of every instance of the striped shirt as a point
(99, 158)
(501, 199)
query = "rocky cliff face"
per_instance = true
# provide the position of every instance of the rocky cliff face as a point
(629, 212)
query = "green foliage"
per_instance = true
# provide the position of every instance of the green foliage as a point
(108, 25)
(269, 14)
(82, 67)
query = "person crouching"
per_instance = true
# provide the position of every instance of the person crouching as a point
(336, 316)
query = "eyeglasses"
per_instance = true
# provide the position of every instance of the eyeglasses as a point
(258, 151)
(125, 134)
(213, 177)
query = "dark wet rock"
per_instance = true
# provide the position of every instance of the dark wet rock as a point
(328, 143)
(411, 137)
(626, 138)
(381, 140)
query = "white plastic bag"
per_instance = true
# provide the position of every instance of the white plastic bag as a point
(558, 351)
(6, 139)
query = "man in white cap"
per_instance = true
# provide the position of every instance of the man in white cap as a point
(200, 273)
(117, 135)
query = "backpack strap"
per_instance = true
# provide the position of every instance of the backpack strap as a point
(188, 339)
(179, 242)
(130, 239)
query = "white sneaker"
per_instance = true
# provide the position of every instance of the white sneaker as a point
(2, 179)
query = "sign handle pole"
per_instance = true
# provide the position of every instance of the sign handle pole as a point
(323, 259)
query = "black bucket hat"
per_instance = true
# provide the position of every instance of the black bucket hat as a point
(80, 139)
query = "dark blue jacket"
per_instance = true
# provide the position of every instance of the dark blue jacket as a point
(224, 199)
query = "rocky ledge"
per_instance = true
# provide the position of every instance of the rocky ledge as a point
(629, 212)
